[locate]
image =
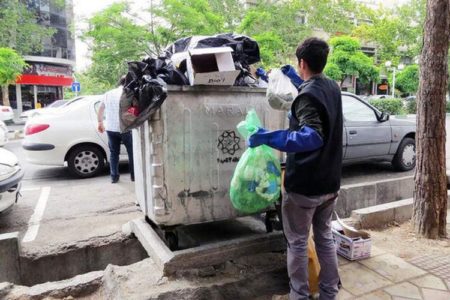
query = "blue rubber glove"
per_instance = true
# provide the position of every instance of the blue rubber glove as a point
(262, 74)
(304, 140)
(290, 72)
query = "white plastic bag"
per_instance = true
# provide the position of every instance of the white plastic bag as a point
(280, 91)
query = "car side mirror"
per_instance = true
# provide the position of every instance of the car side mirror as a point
(383, 117)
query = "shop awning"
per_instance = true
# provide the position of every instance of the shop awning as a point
(33, 79)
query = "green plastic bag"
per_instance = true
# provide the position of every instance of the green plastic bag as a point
(256, 182)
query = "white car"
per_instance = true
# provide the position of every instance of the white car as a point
(3, 134)
(6, 113)
(11, 175)
(34, 112)
(69, 136)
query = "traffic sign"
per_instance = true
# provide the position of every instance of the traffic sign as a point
(76, 87)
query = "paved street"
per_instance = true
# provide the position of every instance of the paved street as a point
(56, 209)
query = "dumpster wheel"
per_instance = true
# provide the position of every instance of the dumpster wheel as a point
(171, 239)
(272, 221)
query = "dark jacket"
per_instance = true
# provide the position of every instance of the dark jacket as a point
(317, 172)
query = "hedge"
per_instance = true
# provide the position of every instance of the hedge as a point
(411, 107)
(391, 106)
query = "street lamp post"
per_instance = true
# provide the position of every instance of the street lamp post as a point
(400, 67)
(393, 82)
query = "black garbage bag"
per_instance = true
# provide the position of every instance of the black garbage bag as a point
(135, 110)
(245, 49)
(159, 68)
(145, 90)
(180, 45)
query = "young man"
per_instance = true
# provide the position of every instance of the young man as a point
(313, 144)
(110, 106)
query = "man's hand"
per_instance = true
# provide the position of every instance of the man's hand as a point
(101, 110)
(258, 138)
(101, 127)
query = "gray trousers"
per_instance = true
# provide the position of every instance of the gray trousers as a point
(299, 213)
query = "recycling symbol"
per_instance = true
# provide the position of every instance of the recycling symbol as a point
(229, 142)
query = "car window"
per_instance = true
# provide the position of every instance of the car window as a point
(355, 110)
(58, 103)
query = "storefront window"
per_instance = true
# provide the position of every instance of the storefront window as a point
(27, 97)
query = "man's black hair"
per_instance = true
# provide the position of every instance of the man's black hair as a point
(314, 52)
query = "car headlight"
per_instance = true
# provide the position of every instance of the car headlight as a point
(6, 171)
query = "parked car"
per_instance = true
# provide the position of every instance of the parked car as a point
(69, 136)
(410, 98)
(371, 135)
(11, 175)
(6, 113)
(3, 134)
(34, 112)
(378, 97)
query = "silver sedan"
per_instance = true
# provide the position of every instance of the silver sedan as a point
(370, 135)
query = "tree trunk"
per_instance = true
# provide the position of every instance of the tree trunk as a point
(5, 95)
(430, 194)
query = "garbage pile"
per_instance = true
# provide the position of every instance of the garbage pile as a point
(223, 59)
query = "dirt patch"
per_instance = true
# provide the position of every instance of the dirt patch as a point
(403, 242)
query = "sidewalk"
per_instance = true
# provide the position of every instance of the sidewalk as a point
(422, 274)
(387, 276)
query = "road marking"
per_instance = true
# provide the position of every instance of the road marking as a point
(33, 223)
(30, 189)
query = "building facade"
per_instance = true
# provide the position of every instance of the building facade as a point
(51, 69)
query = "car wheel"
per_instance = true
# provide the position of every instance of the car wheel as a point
(405, 158)
(86, 161)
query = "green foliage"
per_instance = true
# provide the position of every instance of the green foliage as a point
(188, 17)
(395, 32)
(284, 21)
(334, 72)
(90, 85)
(115, 38)
(347, 59)
(411, 107)
(11, 66)
(230, 10)
(275, 20)
(391, 106)
(407, 80)
(447, 107)
(269, 44)
(19, 29)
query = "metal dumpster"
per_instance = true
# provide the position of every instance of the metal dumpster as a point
(186, 154)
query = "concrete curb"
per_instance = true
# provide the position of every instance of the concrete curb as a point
(366, 194)
(379, 216)
(78, 286)
(9, 257)
(206, 255)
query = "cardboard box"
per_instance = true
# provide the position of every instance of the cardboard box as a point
(211, 66)
(351, 248)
